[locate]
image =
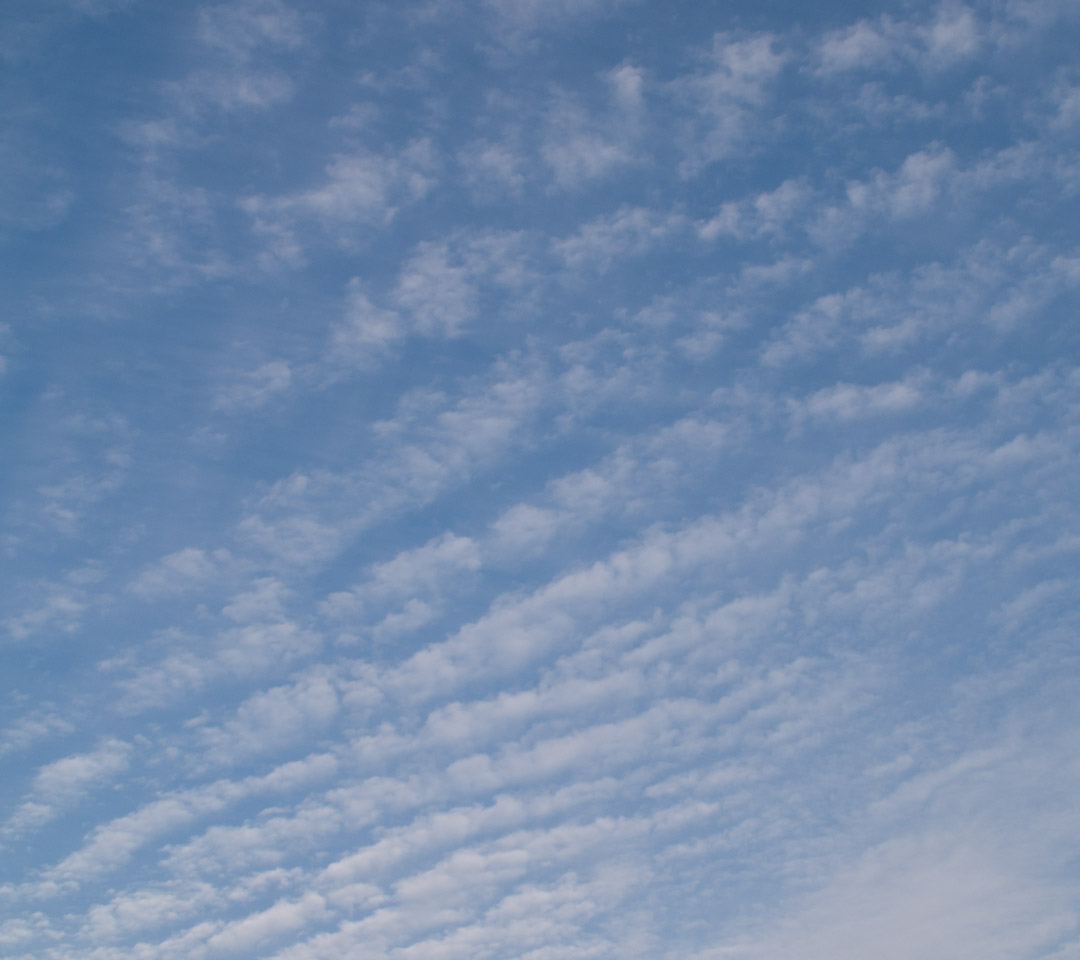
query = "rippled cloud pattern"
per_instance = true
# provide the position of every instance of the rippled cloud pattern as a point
(542, 479)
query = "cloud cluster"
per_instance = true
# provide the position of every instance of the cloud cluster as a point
(580, 479)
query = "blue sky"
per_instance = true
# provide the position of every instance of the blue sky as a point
(543, 479)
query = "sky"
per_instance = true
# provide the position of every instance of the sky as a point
(542, 479)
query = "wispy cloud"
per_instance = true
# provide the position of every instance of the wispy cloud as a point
(63, 783)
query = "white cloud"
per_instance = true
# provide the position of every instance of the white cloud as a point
(31, 727)
(425, 570)
(62, 783)
(266, 643)
(436, 296)
(37, 194)
(491, 168)
(431, 444)
(912, 190)
(765, 215)
(436, 292)
(861, 45)
(939, 899)
(110, 845)
(31, 26)
(174, 229)
(961, 885)
(62, 609)
(255, 929)
(987, 288)
(30, 928)
(1067, 107)
(255, 388)
(145, 910)
(366, 331)
(847, 401)
(524, 527)
(270, 721)
(514, 634)
(180, 572)
(953, 34)
(649, 505)
(882, 109)
(241, 28)
(240, 35)
(233, 89)
(515, 21)
(580, 146)
(629, 232)
(729, 96)
(915, 189)
(265, 601)
(361, 190)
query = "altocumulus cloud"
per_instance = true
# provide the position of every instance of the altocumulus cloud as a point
(543, 480)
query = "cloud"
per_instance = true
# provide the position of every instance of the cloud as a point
(31, 26)
(62, 783)
(1067, 107)
(61, 609)
(938, 899)
(424, 571)
(16, 931)
(283, 917)
(256, 387)
(491, 168)
(269, 721)
(642, 520)
(240, 38)
(263, 602)
(953, 34)
(177, 226)
(911, 191)
(440, 286)
(366, 331)
(241, 28)
(37, 193)
(112, 844)
(436, 292)
(580, 146)
(431, 444)
(180, 572)
(233, 89)
(361, 190)
(175, 229)
(143, 910)
(515, 21)
(31, 727)
(987, 288)
(766, 215)
(262, 639)
(966, 891)
(847, 401)
(629, 232)
(728, 96)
